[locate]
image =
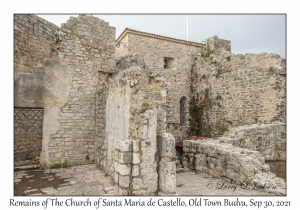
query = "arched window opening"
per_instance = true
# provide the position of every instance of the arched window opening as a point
(183, 111)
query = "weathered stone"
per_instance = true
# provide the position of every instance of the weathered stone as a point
(123, 169)
(110, 112)
(136, 158)
(167, 176)
(136, 146)
(135, 170)
(124, 181)
(123, 157)
(137, 183)
(124, 146)
(166, 144)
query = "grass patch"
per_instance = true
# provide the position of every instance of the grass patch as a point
(59, 165)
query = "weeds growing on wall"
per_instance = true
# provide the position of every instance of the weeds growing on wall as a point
(207, 51)
(198, 106)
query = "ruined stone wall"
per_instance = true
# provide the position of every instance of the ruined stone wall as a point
(127, 144)
(233, 164)
(86, 46)
(176, 75)
(218, 45)
(34, 41)
(268, 139)
(232, 90)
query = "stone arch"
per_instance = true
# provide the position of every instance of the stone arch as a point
(183, 110)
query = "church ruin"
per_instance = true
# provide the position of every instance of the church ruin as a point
(81, 96)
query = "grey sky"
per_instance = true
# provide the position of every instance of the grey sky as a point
(248, 33)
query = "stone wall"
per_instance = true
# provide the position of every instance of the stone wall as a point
(101, 145)
(218, 45)
(85, 53)
(233, 164)
(268, 139)
(86, 45)
(179, 55)
(127, 140)
(47, 87)
(231, 90)
(34, 41)
(122, 47)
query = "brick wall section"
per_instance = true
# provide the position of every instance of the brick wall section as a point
(177, 76)
(86, 44)
(34, 41)
(239, 89)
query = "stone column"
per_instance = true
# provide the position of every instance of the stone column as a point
(123, 161)
(167, 166)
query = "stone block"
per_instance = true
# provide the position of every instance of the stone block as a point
(135, 170)
(136, 158)
(123, 145)
(167, 176)
(265, 167)
(123, 169)
(247, 170)
(137, 183)
(136, 146)
(123, 157)
(229, 174)
(116, 177)
(124, 181)
(166, 145)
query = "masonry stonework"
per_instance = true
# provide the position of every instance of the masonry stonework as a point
(233, 164)
(122, 104)
(179, 57)
(34, 41)
(232, 90)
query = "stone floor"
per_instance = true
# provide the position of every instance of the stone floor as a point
(190, 183)
(89, 180)
(75, 180)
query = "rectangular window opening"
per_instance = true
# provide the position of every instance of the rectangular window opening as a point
(169, 63)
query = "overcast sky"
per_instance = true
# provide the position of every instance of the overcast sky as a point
(248, 33)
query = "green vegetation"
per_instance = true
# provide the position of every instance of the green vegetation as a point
(87, 157)
(59, 165)
(65, 164)
(222, 71)
(215, 63)
(223, 127)
(207, 51)
(208, 101)
(271, 70)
